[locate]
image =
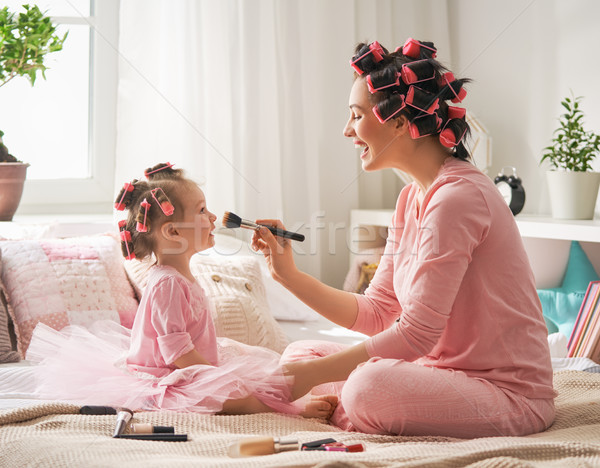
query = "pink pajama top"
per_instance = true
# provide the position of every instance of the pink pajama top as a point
(454, 288)
(172, 319)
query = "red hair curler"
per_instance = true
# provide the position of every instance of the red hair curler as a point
(388, 108)
(415, 49)
(424, 125)
(455, 86)
(382, 81)
(415, 72)
(143, 226)
(127, 188)
(167, 165)
(456, 112)
(449, 134)
(422, 100)
(375, 50)
(163, 201)
(126, 245)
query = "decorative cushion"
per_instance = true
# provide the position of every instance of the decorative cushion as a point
(234, 286)
(7, 351)
(65, 281)
(362, 269)
(561, 305)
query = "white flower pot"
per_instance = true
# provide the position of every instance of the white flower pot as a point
(573, 194)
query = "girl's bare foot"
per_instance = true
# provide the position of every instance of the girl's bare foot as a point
(320, 406)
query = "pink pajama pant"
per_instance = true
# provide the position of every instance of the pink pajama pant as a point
(390, 396)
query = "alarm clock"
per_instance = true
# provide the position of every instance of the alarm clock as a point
(511, 189)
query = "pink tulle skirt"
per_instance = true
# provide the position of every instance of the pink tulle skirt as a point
(87, 366)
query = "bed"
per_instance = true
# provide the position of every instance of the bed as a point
(51, 433)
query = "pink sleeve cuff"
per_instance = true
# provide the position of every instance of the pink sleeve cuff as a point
(174, 345)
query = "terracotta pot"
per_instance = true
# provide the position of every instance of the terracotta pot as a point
(12, 178)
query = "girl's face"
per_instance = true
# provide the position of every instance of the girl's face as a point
(198, 223)
(378, 141)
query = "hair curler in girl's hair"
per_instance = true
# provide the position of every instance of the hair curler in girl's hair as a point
(415, 72)
(383, 79)
(142, 217)
(389, 107)
(126, 243)
(422, 100)
(424, 125)
(163, 201)
(159, 167)
(124, 196)
(367, 57)
(417, 49)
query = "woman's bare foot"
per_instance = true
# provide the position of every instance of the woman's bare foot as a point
(320, 406)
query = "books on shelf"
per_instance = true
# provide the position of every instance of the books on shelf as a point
(585, 337)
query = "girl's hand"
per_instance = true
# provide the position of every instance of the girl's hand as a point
(277, 250)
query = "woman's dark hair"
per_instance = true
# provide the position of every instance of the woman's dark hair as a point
(410, 82)
(149, 203)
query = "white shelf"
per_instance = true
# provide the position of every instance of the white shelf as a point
(545, 227)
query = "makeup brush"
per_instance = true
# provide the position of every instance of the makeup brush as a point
(232, 220)
(123, 417)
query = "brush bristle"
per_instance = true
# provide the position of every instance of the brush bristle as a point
(231, 220)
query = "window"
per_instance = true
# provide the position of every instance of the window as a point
(64, 126)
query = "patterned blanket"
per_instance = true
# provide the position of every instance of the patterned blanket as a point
(56, 435)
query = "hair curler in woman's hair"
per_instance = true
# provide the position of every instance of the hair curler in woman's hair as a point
(422, 100)
(417, 49)
(424, 125)
(159, 167)
(126, 243)
(367, 57)
(389, 107)
(163, 201)
(124, 196)
(455, 128)
(142, 217)
(452, 88)
(415, 72)
(383, 79)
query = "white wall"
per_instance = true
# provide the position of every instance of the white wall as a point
(524, 58)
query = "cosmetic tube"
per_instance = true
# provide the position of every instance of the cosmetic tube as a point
(157, 437)
(150, 429)
(123, 417)
(97, 410)
(261, 446)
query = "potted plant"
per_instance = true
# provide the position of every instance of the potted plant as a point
(572, 183)
(25, 41)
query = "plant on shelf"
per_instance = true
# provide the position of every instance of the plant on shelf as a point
(573, 184)
(573, 148)
(26, 39)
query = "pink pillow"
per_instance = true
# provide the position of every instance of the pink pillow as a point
(61, 282)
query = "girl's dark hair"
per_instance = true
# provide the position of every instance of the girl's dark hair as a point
(390, 77)
(165, 187)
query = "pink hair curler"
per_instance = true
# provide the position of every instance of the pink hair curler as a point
(424, 125)
(395, 103)
(163, 201)
(413, 48)
(449, 134)
(125, 236)
(167, 165)
(142, 226)
(422, 100)
(382, 82)
(456, 112)
(375, 49)
(127, 188)
(415, 72)
(459, 92)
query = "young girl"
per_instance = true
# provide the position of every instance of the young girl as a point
(172, 358)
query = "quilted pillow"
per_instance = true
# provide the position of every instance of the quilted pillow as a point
(7, 353)
(61, 282)
(236, 291)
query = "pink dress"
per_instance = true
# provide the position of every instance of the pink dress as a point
(113, 366)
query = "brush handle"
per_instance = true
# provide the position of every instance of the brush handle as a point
(287, 234)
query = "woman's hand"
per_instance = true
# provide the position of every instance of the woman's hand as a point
(304, 376)
(277, 250)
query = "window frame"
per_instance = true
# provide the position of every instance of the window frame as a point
(91, 195)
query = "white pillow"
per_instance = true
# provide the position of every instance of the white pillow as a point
(283, 304)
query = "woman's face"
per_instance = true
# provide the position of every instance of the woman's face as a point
(377, 140)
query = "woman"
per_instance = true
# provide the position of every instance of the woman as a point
(458, 345)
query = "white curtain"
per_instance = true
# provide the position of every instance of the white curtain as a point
(250, 97)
